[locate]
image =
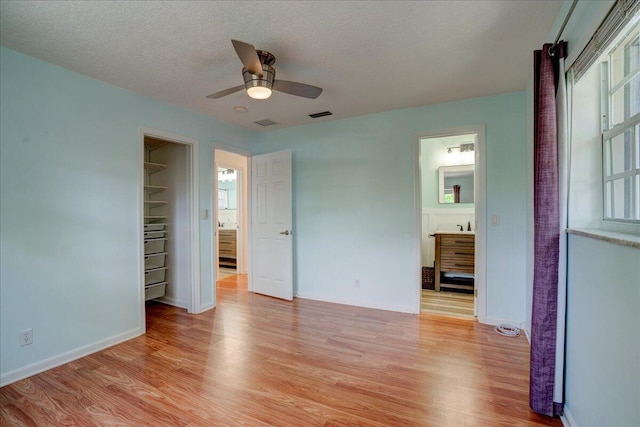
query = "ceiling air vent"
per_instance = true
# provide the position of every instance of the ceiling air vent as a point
(322, 114)
(265, 122)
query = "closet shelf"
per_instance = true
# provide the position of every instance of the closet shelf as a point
(153, 167)
(155, 285)
(155, 239)
(151, 143)
(155, 202)
(154, 227)
(151, 189)
(154, 255)
(150, 270)
(154, 217)
(154, 261)
(155, 290)
(154, 234)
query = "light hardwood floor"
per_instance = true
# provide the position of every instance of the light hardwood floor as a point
(456, 304)
(258, 361)
(226, 272)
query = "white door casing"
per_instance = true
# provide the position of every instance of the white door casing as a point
(195, 304)
(480, 191)
(272, 240)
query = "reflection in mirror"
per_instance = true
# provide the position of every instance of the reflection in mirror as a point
(455, 184)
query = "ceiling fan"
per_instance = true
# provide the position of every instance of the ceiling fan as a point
(260, 76)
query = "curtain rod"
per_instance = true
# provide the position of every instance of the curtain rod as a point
(564, 24)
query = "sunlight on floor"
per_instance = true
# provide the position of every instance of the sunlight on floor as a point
(447, 303)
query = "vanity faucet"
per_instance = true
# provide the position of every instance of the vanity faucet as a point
(461, 228)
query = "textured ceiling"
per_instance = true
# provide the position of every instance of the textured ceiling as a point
(367, 56)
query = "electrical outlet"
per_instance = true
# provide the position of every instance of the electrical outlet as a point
(356, 284)
(26, 337)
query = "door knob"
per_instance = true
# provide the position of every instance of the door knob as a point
(285, 232)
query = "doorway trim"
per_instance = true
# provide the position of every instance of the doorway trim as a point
(245, 231)
(194, 223)
(480, 211)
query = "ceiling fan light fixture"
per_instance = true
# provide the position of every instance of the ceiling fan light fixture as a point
(259, 87)
(259, 92)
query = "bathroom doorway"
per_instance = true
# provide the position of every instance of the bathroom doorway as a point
(452, 189)
(231, 217)
(227, 221)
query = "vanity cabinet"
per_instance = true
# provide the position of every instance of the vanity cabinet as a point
(455, 253)
(227, 249)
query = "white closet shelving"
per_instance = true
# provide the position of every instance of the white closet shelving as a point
(155, 228)
(153, 167)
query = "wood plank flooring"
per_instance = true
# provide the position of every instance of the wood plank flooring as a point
(448, 303)
(258, 361)
(225, 272)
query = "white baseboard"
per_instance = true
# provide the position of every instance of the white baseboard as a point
(206, 307)
(172, 302)
(567, 419)
(61, 359)
(527, 334)
(401, 309)
(494, 321)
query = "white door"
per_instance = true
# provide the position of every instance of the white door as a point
(271, 261)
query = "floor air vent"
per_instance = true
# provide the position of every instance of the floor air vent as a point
(265, 122)
(322, 114)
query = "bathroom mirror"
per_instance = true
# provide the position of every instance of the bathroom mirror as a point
(455, 184)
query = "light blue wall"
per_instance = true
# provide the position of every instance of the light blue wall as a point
(603, 342)
(70, 159)
(232, 192)
(356, 214)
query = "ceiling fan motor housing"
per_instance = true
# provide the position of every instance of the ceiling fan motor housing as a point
(269, 73)
(252, 80)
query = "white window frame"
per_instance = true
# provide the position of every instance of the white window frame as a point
(610, 131)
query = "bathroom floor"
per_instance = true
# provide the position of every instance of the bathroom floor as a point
(226, 272)
(448, 303)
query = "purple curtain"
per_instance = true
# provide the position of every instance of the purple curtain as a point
(546, 232)
(456, 194)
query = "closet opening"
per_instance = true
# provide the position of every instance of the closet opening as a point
(169, 228)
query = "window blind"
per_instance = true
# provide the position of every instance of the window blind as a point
(620, 14)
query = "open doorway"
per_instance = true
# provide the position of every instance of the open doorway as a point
(169, 227)
(228, 219)
(452, 191)
(231, 217)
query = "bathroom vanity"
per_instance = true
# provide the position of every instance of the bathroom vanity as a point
(455, 254)
(228, 247)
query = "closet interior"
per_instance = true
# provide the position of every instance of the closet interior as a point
(166, 222)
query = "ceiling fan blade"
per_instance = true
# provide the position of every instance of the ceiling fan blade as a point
(298, 89)
(248, 56)
(225, 92)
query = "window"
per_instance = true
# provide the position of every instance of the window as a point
(604, 131)
(620, 107)
(223, 199)
(448, 195)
